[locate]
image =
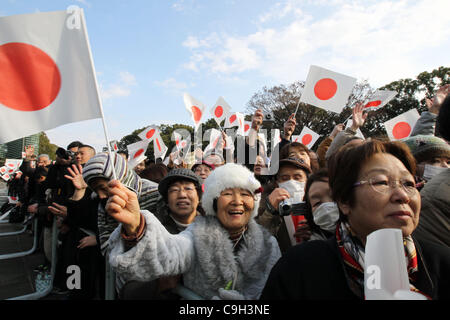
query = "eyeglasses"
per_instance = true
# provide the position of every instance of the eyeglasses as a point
(384, 184)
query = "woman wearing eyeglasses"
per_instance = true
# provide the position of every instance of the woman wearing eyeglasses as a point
(374, 187)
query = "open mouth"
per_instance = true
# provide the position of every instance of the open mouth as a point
(235, 212)
(183, 203)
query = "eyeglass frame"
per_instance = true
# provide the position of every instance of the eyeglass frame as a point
(412, 192)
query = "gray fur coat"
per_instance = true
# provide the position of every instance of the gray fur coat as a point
(203, 253)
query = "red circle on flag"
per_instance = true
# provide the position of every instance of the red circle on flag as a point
(232, 118)
(375, 103)
(12, 165)
(401, 130)
(306, 139)
(246, 127)
(183, 144)
(325, 89)
(150, 133)
(32, 73)
(218, 112)
(138, 153)
(197, 113)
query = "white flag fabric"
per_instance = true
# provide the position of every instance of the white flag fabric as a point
(114, 146)
(13, 200)
(196, 108)
(12, 165)
(401, 126)
(327, 89)
(214, 139)
(3, 170)
(160, 149)
(47, 76)
(358, 132)
(149, 133)
(220, 110)
(379, 99)
(136, 152)
(6, 177)
(307, 137)
(235, 119)
(247, 126)
(276, 138)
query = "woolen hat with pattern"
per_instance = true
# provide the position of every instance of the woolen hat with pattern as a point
(100, 166)
(230, 175)
(427, 147)
(178, 174)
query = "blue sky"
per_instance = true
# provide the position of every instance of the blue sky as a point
(148, 53)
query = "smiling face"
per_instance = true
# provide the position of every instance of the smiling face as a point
(234, 208)
(182, 200)
(373, 210)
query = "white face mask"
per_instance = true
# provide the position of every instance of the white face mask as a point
(295, 188)
(326, 216)
(431, 171)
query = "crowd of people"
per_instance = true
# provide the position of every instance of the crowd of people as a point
(230, 229)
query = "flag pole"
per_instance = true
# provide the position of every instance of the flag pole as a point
(105, 130)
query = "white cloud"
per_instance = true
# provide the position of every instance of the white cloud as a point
(379, 40)
(119, 89)
(87, 4)
(172, 86)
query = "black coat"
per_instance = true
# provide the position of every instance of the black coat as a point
(314, 270)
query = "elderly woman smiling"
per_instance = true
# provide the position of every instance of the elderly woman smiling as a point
(224, 254)
(373, 185)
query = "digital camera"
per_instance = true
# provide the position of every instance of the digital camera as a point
(287, 207)
(65, 154)
(268, 116)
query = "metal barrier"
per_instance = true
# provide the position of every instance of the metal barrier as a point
(13, 233)
(5, 216)
(24, 253)
(39, 294)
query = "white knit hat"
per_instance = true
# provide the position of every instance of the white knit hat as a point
(230, 175)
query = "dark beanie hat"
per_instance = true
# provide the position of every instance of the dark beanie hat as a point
(178, 174)
(427, 147)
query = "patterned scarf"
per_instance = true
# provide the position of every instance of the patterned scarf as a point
(352, 252)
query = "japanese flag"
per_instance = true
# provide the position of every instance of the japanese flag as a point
(136, 152)
(149, 133)
(24, 155)
(214, 139)
(379, 99)
(358, 132)
(12, 165)
(114, 145)
(247, 126)
(306, 137)
(195, 108)
(220, 110)
(3, 170)
(6, 177)
(327, 89)
(180, 143)
(276, 138)
(13, 200)
(401, 126)
(47, 76)
(160, 149)
(235, 119)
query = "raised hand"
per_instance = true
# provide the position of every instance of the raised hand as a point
(434, 104)
(358, 116)
(29, 151)
(123, 206)
(289, 126)
(337, 128)
(257, 119)
(76, 176)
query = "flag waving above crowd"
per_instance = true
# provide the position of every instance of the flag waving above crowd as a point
(47, 77)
